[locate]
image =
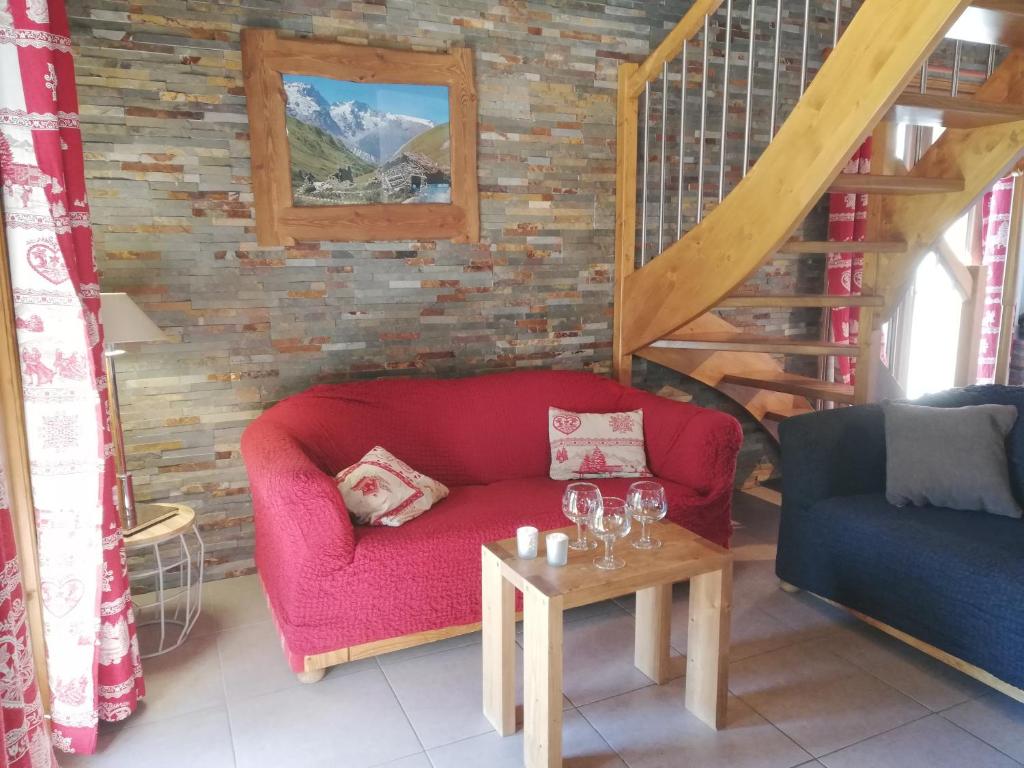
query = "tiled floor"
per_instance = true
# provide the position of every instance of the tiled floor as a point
(808, 687)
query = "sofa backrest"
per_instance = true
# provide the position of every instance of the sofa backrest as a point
(992, 393)
(460, 431)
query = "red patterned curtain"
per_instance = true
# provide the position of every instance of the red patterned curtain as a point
(92, 654)
(995, 241)
(26, 744)
(847, 222)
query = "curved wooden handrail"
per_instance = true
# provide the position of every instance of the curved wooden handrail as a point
(880, 52)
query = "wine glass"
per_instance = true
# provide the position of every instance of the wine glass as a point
(578, 503)
(646, 502)
(610, 522)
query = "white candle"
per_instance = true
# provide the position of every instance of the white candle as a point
(558, 549)
(526, 542)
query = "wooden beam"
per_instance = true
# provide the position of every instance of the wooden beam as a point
(955, 268)
(672, 45)
(894, 185)
(991, 22)
(972, 316)
(794, 300)
(830, 246)
(978, 156)
(791, 383)
(1011, 282)
(625, 216)
(748, 342)
(881, 50)
(15, 458)
(952, 112)
(712, 367)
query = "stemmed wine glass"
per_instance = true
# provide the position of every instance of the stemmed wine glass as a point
(578, 503)
(646, 502)
(610, 522)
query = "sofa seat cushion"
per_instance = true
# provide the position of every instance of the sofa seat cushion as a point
(951, 578)
(370, 599)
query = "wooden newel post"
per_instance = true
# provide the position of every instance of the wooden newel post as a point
(625, 213)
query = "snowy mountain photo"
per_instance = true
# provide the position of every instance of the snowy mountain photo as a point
(358, 143)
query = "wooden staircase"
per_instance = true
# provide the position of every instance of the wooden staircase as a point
(664, 309)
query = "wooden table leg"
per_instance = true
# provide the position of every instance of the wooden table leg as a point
(542, 680)
(653, 629)
(707, 646)
(499, 660)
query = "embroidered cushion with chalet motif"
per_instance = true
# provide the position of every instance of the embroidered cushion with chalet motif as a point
(381, 489)
(589, 445)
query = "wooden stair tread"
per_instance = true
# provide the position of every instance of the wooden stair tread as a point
(829, 246)
(953, 112)
(894, 185)
(799, 300)
(991, 22)
(783, 414)
(748, 342)
(793, 384)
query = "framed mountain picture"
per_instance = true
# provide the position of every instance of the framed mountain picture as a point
(355, 143)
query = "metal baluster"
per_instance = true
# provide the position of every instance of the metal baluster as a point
(725, 99)
(682, 142)
(924, 77)
(803, 53)
(991, 60)
(647, 162)
(957, 58)
(838, 23)
(703, 121)
(775, 69)
(750, 87)
(664, 132)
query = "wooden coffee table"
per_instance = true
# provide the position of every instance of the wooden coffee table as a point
(548, 591)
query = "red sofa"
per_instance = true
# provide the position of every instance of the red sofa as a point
(337, 590)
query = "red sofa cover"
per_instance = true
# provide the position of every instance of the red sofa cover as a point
(334, 585)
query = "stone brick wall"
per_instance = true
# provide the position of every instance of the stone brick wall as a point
(163, 115)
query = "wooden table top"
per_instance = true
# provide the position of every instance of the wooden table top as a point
(683, 554)
(158, 522)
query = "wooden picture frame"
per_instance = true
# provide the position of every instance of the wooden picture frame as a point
(266, 57)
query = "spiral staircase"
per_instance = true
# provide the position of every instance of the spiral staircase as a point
(693, 224)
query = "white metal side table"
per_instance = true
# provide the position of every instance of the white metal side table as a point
(167, 582)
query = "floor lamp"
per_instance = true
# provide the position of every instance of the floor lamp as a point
(123, 323)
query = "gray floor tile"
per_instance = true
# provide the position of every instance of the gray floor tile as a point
(929, 743)
(197, 740)
(232, 603)
(413, 761)
(184, 680)
(582, 748)
(598, 658)
(650, 728)
(930, 682)
(822, 702)
(996, 719)
(253, 663)
(442, 694)
(352, 721)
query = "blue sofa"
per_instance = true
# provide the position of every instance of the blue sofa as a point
(953, 580)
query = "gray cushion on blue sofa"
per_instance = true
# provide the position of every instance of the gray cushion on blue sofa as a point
(949, 457)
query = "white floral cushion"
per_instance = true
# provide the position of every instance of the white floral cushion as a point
(381, 489)
(589, 445)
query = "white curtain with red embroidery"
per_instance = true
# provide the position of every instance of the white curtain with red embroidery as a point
(847, 222)
(995, 242)
(92, 654)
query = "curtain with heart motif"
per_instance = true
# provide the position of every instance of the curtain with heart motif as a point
(995, 243)
(92, 654)
(847, 222)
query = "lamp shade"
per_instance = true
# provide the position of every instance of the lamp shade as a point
(124, 322)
